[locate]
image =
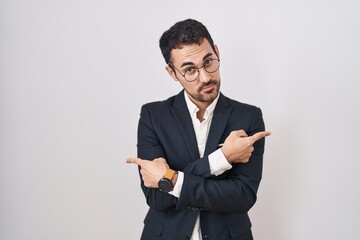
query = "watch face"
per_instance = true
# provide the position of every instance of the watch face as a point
(165, 185)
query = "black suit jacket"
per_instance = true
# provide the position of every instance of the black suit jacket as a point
(166, 130)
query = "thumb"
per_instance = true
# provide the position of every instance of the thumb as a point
(160, 159)
(239, 133)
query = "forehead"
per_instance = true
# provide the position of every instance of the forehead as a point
(191, 53)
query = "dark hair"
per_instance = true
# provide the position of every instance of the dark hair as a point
(182, 33)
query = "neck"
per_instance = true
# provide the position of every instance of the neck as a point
(200, 115)
(202, 108)
(200, 104)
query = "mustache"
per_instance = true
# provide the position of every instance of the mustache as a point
(211, 82)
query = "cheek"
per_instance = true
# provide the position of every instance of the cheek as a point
(192, 88)
(216, 76)
(189, 86)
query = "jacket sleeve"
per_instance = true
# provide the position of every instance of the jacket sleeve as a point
(150, 148)
(235, 190)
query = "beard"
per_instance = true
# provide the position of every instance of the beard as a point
(207, 96)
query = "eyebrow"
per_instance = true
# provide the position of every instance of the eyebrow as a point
(191, 63)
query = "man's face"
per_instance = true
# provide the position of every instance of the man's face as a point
(206, 87)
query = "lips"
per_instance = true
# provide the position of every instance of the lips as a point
(208, 88)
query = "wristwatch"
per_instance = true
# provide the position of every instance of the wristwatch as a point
(165, 184)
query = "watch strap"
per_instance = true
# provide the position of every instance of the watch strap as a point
(169, 174)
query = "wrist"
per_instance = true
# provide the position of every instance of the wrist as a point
(174, 179)
(226, 155)
(165, 184)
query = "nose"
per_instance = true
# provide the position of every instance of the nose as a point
(204, 76)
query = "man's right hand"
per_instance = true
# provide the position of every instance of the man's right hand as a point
(238, 146)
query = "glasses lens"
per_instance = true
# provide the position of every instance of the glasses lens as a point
(212, 65)
(192, 75)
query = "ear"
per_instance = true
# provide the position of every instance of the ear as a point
(171, 72)
(217, 51)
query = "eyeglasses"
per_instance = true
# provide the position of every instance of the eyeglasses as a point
(192, 73)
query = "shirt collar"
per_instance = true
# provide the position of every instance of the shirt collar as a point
(193, 109)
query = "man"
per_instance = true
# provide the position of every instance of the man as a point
(199, 153)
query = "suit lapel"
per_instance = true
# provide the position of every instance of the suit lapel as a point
(220, 119)
(183, 119)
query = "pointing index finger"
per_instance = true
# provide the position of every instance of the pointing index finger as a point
(137, 161)
(260, 135)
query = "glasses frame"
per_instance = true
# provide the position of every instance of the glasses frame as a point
(197, 69)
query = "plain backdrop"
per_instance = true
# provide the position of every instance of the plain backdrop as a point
(74, 74)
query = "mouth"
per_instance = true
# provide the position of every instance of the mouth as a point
(208, 88)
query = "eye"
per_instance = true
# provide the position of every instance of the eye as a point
(190, 70)
(208, 61)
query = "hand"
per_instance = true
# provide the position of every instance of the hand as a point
(151, 171)
(238, 146)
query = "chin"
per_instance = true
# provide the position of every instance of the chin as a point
(209, 96)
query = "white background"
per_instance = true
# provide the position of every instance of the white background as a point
(74, 75)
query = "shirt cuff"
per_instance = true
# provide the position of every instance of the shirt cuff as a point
(218, 163)
(178, 185)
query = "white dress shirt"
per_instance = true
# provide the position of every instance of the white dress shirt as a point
(217, 161)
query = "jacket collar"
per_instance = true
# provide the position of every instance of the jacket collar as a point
(193, 109)
(220, 118)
